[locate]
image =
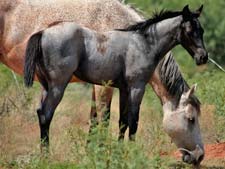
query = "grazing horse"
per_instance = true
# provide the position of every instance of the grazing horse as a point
(181, 108)
(126, 57)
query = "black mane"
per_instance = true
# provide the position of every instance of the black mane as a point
(173, 80)
(157, 17)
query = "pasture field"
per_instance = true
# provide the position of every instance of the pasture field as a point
(19, 129)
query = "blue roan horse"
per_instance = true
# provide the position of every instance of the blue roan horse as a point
(125, 57)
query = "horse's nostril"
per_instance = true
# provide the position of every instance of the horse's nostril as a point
(205, 59)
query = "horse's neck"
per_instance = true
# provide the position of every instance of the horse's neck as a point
(134, 13)
(163, 38)
(160, 89)
(163, 35)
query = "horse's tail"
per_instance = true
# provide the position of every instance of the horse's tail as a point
(33, 51)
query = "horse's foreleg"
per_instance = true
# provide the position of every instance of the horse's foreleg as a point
(135, 97)
(123, 121)
(46, 111)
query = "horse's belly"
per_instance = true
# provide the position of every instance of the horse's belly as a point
(99, 72)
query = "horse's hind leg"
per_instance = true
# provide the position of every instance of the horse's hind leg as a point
(46, 111)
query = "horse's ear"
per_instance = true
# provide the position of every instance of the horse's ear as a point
(186, 12)
(191, 90)
(186, 9)
(186, 95)
(198, 11)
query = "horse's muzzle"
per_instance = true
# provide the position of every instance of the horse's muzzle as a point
(201, 57)
(193, 157)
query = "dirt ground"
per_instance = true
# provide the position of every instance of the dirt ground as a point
(214, 156)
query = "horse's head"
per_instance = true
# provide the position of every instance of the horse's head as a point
(182, 125)
(191, 36)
